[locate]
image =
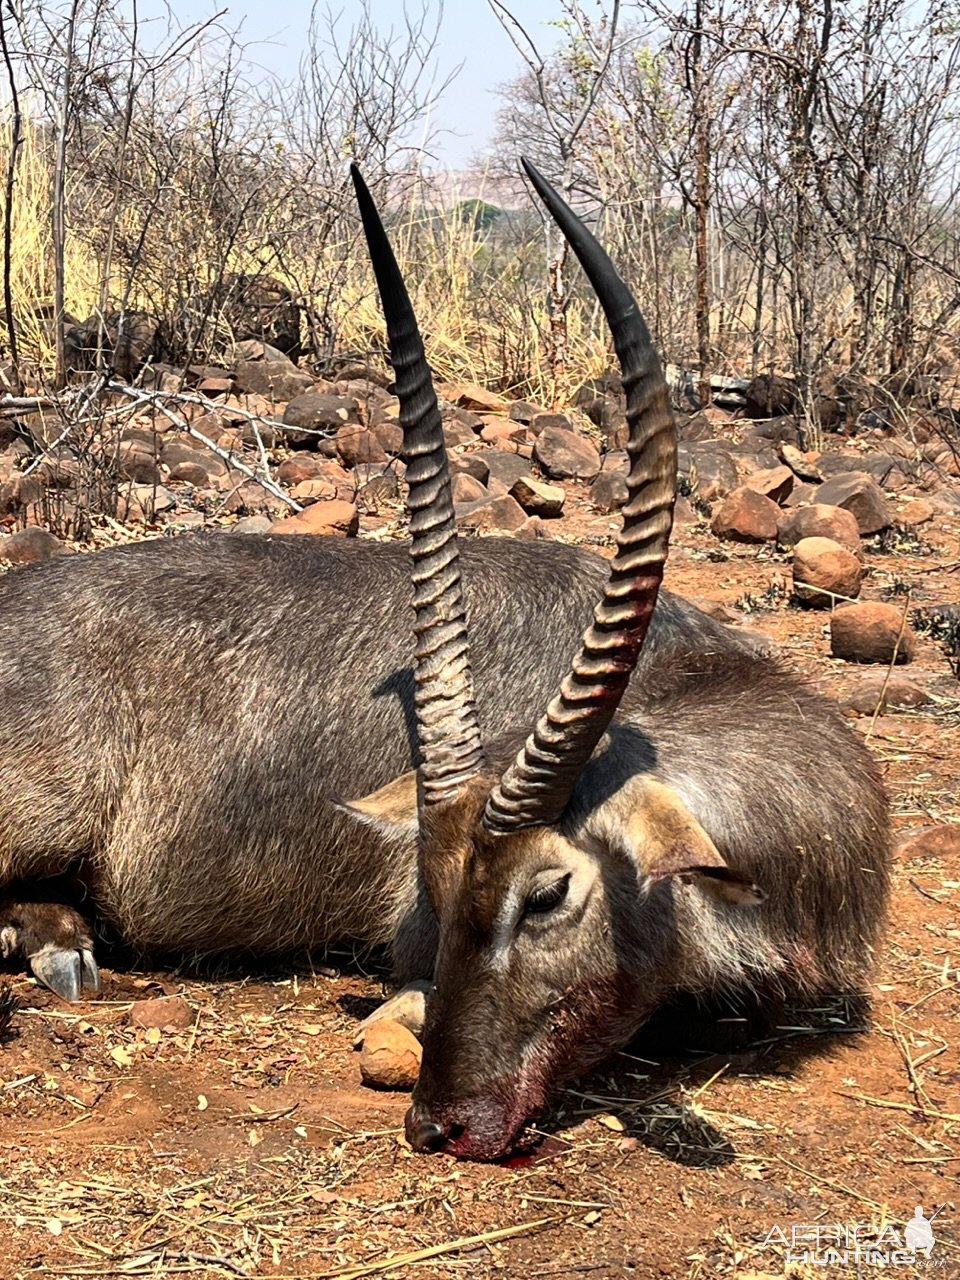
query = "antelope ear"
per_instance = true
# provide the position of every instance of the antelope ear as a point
(391, 810)
(666, 840)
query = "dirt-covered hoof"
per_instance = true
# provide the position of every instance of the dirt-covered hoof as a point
(67, 972)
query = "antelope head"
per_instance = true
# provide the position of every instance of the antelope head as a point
(551, 873)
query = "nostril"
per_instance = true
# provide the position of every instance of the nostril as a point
(428, 1136)
(423, 1134)
(456, 1131)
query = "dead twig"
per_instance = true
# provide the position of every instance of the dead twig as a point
(158, 400)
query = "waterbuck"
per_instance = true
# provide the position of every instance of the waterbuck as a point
(186, 727)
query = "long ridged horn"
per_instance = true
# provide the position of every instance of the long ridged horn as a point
(447, 724)
(536, 787)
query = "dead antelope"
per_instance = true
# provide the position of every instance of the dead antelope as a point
(183, 724)
(711, 825)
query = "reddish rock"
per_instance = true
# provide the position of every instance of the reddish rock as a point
(390, 436)
(818, 521)
(933, 842)
(858, 493)
(466, 488)
(824, 570)
(803, 465)
(775, 483)
(468, 395)
(537, 497)
(492, 515)
(502, 431)
(746, 516)
(31, 545)
(883, 691)
(356, 445)
(171, 1013)
(191, 473)
(457, 434)
(564, 455)
(868, 633)
(299, 467)
(316, 489)
(336, 519)
(532, 527)
(915, 512)
(390, 1057)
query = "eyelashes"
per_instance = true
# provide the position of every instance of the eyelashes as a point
(547, 897)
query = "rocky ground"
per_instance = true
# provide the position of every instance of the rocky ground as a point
(215, 1124)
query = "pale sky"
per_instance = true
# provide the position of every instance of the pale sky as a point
(469, 34)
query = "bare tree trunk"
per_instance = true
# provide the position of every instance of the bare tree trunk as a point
(16, 140)
(59, 195)
(701, 202)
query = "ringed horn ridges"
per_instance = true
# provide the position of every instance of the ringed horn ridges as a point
(536, 787)
(447, 724)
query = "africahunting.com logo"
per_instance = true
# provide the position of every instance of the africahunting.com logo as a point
(859, 1244)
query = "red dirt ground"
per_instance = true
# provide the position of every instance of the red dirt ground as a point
(245, 1146)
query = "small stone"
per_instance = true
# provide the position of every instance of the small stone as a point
(470, 464)
(715, 609)
(316, 489)
(533, 527)
(467, 489)
(775, 483)
(335, 519)
(191, 473)
(918, 511)
(858, 493)
(143, 502)
(564, 455)
(801, 464)
(357, 444)
(537, 497)
(390, 1057)
(868, 633)
(468, 395)
(505, 467)
(824, 570)
(390, 436)
(315, 415)
(278, 380)
(883, 691)
(609, 491)
(253, 524)
(746, 516)
(711, 471)
(170, 1013)
(492, 515)
(31, 545)
(540, 421)
(502, 431)
(299, 467)
(819, 521)
(456, 434)
(933, 842)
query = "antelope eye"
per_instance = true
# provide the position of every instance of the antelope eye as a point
(547, 897)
